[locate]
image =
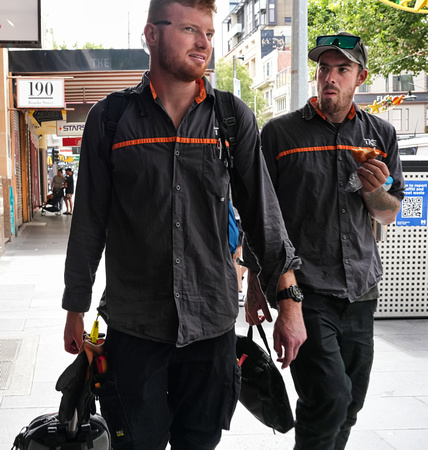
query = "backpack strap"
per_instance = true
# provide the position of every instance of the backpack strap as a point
(224, 106)
(116, 104)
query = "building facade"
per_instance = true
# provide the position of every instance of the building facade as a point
(410, 116)
(259, 34)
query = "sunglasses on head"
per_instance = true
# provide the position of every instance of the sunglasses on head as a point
(345, 42)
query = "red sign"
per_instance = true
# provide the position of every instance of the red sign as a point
(72, 142)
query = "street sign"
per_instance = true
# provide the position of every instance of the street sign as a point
(414, 206)
(40, 92)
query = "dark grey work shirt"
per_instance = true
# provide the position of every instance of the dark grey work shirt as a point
(70, 184)
(310, 161)
(158, 203)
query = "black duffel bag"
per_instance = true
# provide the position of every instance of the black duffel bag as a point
(47, 432)
(263, 390)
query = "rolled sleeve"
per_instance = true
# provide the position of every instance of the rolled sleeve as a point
(268, 249)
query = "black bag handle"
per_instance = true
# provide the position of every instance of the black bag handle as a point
(262, 335)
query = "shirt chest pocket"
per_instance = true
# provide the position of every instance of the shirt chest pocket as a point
(215, 173)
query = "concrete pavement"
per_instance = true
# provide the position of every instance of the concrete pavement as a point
(32, 355)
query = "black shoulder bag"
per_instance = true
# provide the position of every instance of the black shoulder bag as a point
(263, 390)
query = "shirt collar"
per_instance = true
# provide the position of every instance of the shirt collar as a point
(204, 87)
(310, 110)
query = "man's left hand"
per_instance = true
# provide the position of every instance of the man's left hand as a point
(289, 332)
(373, 174)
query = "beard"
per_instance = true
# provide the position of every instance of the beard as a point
(178, 68)
(342, 100)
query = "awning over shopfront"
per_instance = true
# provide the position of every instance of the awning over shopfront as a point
(89, 74)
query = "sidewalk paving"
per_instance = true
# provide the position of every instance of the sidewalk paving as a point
(32, 355)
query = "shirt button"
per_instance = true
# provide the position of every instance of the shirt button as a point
(177, 295)
(178, 187)
(344, 237)
(341, 184)
(178, 224)
(346, 261)
(177, 261)
(340, 158)
(343, 211)
(177, 153)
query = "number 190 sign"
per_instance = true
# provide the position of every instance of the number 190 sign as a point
(36, 93)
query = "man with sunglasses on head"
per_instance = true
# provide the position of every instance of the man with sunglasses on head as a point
(309, 154)
(157, 200)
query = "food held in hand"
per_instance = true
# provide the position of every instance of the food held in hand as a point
(364, 154)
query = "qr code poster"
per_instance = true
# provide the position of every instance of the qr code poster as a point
(414, 205)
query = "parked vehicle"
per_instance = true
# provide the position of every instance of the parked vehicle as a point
(417, 145)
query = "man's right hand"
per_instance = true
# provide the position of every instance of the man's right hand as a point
(73, 332)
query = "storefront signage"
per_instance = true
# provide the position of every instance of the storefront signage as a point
(269, 42)
(64, 128)
(20, 24)
(46, 116)
(40, 92)
(72, 142)
(414, 206)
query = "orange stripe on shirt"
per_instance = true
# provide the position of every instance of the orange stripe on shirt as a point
(320, 149)
(161, 140)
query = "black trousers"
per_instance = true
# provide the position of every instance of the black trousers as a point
(155, 392)
(332, 370)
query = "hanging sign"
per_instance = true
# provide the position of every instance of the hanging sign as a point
(415, 6)
(40, 92)
(385, 104)
(64, 128)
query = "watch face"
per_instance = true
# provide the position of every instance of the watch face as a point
(293, 292)
(297, 293)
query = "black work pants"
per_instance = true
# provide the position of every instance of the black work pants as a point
(332, 370)
(156, 392)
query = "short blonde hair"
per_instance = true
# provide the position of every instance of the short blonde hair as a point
(157, 7)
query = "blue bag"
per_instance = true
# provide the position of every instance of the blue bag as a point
(233, 230)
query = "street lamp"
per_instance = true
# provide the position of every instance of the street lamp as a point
(410, 96)
(412, 87)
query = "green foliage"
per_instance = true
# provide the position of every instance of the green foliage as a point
(224, 81)
(57, 46)
(91, 46)
(87, 46)
(397, 40)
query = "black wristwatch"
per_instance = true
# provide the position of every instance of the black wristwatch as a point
(293, 292)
